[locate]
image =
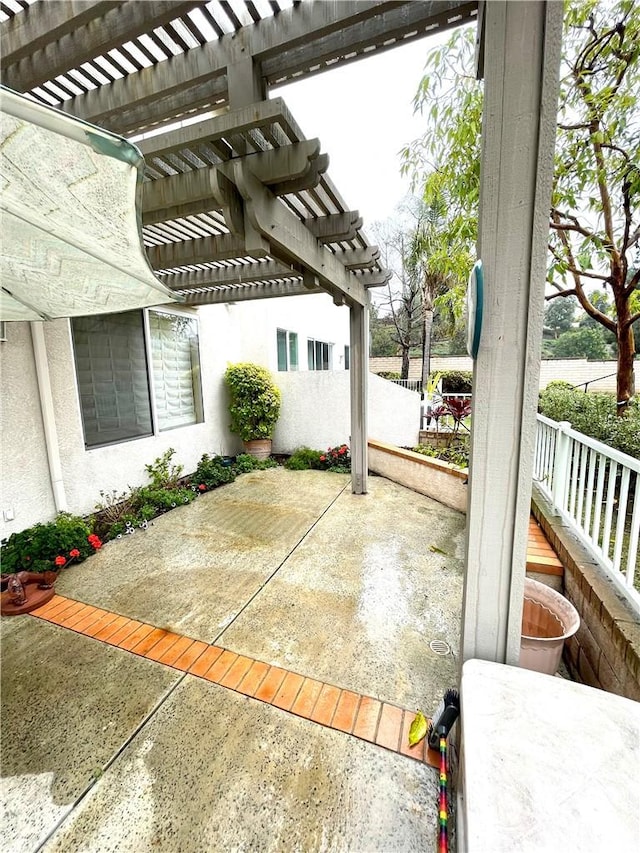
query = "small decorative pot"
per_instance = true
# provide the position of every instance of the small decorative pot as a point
(48, 580)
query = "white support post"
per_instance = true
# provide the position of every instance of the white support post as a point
(521, 59)
(561, 466)
(358, 374)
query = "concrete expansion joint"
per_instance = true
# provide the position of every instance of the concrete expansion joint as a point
(352, 713)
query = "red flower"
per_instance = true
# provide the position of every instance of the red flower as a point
(74, 552)
(27, 557)
(342, 450)
(59, 561)
(202, 487)
(323, 458)
(94, 541)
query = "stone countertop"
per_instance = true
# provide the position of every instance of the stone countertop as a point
(547, 764)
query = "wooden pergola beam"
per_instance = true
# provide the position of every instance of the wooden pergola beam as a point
(223, 247)
(235, 275)
(25, 34)
(268, 290)
(88, 33)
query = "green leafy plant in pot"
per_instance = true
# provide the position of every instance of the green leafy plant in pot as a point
(254, 406)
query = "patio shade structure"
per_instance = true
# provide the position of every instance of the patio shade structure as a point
(238, 205)
(72, 242)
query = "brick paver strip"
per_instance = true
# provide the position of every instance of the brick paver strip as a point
(286, 695)
(221, 667)
(253, 679)
(271, 684)
(326, 705)
(205, 661)
(343, 710)
(237, 672)
(366, 724)
(307, 697)
(345, 715)
(191, 655)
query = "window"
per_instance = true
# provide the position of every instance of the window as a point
(319, 355)
(347, 357)
(138, 373)
(287, 350)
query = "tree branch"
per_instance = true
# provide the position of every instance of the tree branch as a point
(562, 293)
(633, 319)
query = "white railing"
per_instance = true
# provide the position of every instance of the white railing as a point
(596, 489)
(410, 384)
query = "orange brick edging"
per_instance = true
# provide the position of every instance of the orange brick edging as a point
(343, 710)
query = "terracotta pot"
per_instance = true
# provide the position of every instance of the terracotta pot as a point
(260, 448)
(47, 580)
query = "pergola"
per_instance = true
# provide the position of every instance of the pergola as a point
(237, 204)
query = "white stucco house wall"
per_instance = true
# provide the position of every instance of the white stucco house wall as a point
(87, 403)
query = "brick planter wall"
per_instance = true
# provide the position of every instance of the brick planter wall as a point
(605, 652)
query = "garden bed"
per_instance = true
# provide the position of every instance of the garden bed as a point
(439, 480)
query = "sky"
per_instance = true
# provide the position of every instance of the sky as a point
(363, 115)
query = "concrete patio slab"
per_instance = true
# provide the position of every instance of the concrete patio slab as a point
(217, 771)
(198, 565)
(68, 705)
(359, 600)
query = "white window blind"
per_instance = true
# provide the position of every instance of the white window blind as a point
(176, 370)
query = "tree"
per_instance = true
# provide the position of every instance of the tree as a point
(595, 221)
(594, 214)
(581, 343)
(559, 316)
(402, 301)
(382, 339)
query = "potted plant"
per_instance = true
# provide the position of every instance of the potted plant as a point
(254, 406)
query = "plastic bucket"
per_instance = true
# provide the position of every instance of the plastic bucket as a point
(548, 619)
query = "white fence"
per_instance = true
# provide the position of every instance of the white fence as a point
(596, 490)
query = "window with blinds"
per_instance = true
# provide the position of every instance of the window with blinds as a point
(176, 370)
(111, 366)
(319, 355)
(116, 380)
(287, 350)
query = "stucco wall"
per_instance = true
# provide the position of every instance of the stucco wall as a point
(573, 370)
(24, 475)
(316, 411)
(309, 316)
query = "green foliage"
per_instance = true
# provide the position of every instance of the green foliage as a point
(594, 213)
(212, 472)
(336, 459)
(383, 341)
(388, 374)
(304, 458)
(581, 343)
(254, 401)
(162, 472)
(245, 463)
(36, 548)
(164, 499)
(593, 414)
(457, 454)
(457, 382)
(559, 315)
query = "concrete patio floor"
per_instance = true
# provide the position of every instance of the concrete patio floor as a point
(106, 750)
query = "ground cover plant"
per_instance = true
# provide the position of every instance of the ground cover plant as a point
(335, 459)
(50, 546)
(593, 414)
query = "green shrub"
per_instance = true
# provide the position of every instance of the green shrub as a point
(254, 401)
(163, 473)
(337, 459)
(212, 472)
(388, 374)
(164, 499)
(304, 458)
(36, 548)
(593, 414)
(245, 463)
(457, 454)
(457, 381)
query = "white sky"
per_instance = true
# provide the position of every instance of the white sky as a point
(363, 115)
